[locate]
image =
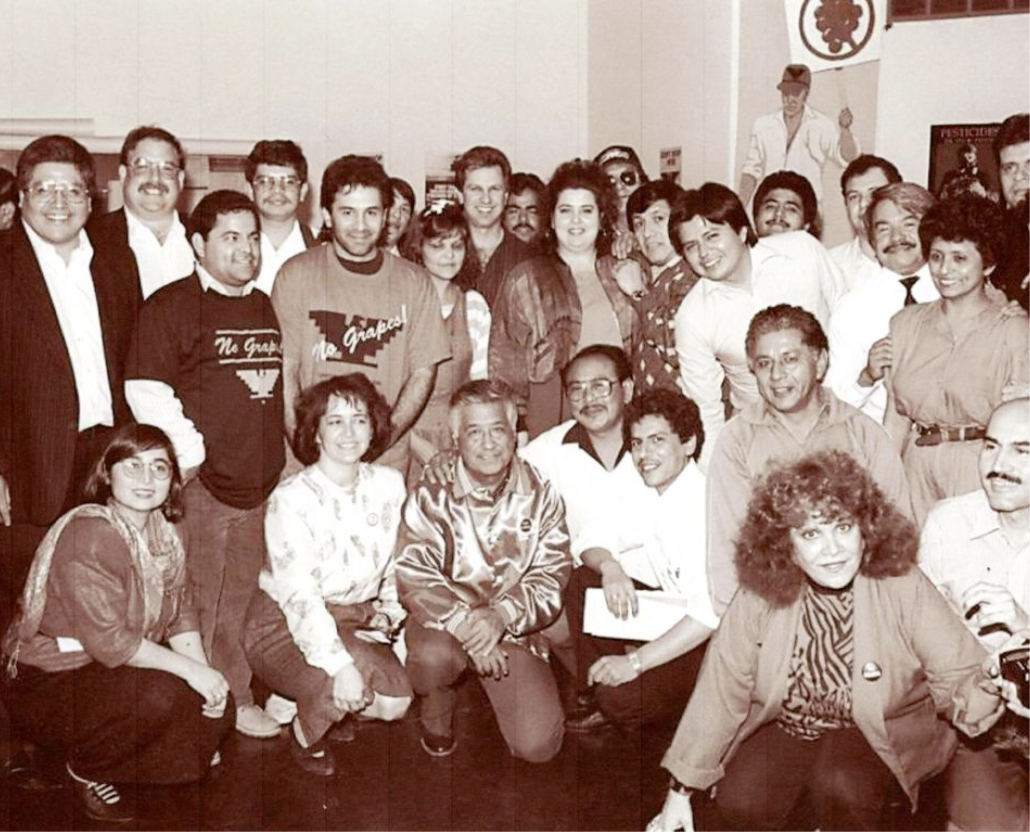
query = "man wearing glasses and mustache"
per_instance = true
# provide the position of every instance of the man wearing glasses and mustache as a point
(147, 238)
(976, 550)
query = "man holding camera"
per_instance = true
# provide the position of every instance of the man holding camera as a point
(976, 550)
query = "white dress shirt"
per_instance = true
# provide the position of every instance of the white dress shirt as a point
(860, 319)
(75, 300)
(817, 139)
(855, 265)
(159, 263)
(712, 321)
(272, 258)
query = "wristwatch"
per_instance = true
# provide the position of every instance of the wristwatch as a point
(676, 786)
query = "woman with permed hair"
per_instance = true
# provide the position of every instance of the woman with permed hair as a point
(953, 360)
(550, 307)
(832, 666)
(321, 629)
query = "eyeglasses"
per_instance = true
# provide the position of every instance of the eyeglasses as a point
(48, 191)
(598, 388)
(166, 170)
(269, 183)
(135, 467)
(628, 178)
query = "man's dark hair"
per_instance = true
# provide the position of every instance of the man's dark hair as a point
(481, 156)
(796, 184)
(55, 149)
(865, 163)
(714, 203)
(350, 172)
(966, 218)
(582, 174)
(1014, 130)
(648, 194)
(279, 152)
(783, 316)
(313, 404)
(8, 187)
(616, 355)
(151, 131)
(523, 181)
(213, 205)
(681, 413)
(400, 186)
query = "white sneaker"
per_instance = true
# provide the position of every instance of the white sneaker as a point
(254, 722)
(281, 709)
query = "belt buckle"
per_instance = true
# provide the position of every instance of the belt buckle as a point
(929, 437)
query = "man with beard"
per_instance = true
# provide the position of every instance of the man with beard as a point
(859, 343)
(976, 550)
(483, 175)
(146, 238)
(523, 215)
(1012, 153)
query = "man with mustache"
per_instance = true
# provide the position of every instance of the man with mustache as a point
(785, 201)
(146, 237)
(859, 343)
(207, 369)
(523, 216)
(976, 550)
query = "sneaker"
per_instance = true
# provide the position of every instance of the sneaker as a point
(100, 801)
(438, 745)
(251, 721)
(281, 709)
(315, 759)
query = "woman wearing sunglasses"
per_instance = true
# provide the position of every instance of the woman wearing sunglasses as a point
(104, 657)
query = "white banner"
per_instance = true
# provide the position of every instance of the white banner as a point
(827, 34)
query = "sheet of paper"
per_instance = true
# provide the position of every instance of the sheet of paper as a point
(658, 612)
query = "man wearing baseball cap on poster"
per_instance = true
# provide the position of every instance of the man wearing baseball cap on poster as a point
(796, 138)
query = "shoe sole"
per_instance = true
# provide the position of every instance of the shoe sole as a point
(260, 736)
(432, 752)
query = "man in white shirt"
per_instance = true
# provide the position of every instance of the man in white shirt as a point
(277, 173)
(797, 137)
(65, 326)
(860, 179)
(740, 275)
(859, 343)
(976, 550)
(146, 237)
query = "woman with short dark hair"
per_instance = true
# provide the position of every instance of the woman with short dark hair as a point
(832, 666)
(320, 632)
(105, 656)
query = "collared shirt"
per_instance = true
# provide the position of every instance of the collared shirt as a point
(855, 265)
(713, 319)
(159, 263)
(817, 140)
(860, 319)
(656, 363)
(332, 545)
(212, 284)
(463, 548)
(756, 439)
(75, 300)
(490, 275)
(566, 456)
(659, 540)
(962, 544)
(272, 258)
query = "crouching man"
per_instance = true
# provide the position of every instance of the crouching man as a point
(482, 565)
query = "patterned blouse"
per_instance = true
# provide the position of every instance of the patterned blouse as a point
(657, 363)
(819, 680)
(331, 545)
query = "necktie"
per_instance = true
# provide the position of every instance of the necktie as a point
(908, 283)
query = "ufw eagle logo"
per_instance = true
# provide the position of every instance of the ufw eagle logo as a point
(261, 383)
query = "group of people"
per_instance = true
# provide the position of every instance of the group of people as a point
(357, 463)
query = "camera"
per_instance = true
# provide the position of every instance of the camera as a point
(1015, 667)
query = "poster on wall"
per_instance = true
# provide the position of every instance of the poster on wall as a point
(440, 178)
(670, 163)
(830, 34)
(961, 160)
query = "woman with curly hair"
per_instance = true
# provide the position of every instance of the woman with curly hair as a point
(953, 360)
(830, 667)
(320, 632)
(550, 307)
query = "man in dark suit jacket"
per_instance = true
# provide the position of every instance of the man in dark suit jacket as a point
(146, 239)
(65, 325)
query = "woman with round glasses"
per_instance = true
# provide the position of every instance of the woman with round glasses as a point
(834, 670)
(552, 306)
(104, 656)
(438, 240)
(320, 631)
